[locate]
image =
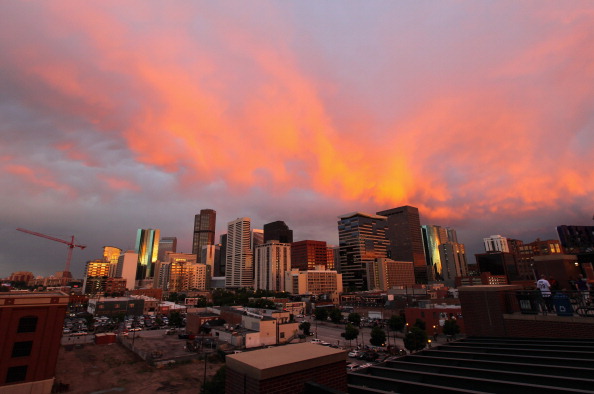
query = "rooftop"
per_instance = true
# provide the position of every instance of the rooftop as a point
(281, 360)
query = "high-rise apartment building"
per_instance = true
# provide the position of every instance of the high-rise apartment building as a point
(362, 239)
(278, 231)
(166, 244)
(239, 270)
(111, 254)
(96, 269)
(147, 247)
(406, 240)
(204, 230)
(271, 261)
(307, 254)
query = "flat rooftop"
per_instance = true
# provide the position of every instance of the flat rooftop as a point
(281, 360)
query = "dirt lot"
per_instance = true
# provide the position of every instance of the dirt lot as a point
(115, 369)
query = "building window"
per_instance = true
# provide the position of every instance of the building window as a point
(282, 334)
(27, 324)
(16, 374)
(22, 349)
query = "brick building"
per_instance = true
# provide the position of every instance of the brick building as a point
(286, 369)
(31, 327)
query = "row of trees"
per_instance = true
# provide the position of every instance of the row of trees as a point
(415, 338)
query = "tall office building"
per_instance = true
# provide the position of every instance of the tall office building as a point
(204, 230)
(362, 239)
(453, 262)
(127, 268)
(271, 261)
(147, 247)
(239, 270)
(406, 241)
(278, 231)
(166, 244)
(440, 268)
(211, 255)
(305, 255)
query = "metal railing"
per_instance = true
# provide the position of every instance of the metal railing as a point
(560, 303)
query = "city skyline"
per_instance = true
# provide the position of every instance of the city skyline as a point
(117, 117)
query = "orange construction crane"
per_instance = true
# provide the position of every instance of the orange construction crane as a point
(71, 244)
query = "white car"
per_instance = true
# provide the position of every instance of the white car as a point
(354, 353)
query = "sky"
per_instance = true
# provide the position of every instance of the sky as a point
(116, 116)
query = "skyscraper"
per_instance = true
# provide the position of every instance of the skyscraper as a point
(167, 244)
(111, 254)
(362, 239)
(271, 261)
(406, 241)
(147, 247)
(278, 231)
(204, 231)
(239, 270)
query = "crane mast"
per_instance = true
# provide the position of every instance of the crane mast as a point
(71, 244)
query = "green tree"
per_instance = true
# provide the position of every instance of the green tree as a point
(451, 327)
(420, 323)
(305, 326)
(378, 337)
(354, 318)
(396, 323)
(350, 332)
(415, 339)
(335, 315)
(175, 319)
(263, 303)
(321, 314)
(216, 385)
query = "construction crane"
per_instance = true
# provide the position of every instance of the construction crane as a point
(71, 244)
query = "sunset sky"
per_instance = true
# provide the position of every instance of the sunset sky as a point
(118, 115)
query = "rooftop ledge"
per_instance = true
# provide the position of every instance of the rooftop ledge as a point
(550, 318)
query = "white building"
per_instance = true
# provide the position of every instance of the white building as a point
(496, 243)
(239, 270)
(127, 265)
(271, 261)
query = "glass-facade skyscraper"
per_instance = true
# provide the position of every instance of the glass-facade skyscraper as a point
(204, 231)
(147, 247)
(362, 239)
(406, 241)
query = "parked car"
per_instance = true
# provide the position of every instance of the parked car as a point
(354, 353)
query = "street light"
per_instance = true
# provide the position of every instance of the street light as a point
(429, 342)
